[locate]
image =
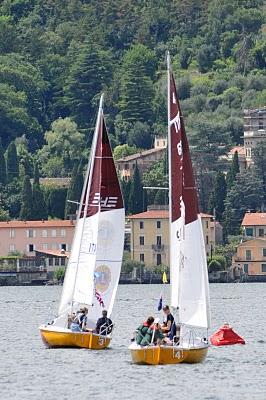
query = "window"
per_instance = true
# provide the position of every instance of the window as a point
(31, 248)
(246, 268)
(51, 262)
(141, 225)
(263, 267)
(207, 224)
(159, 259)
(56, 261)
(264, 252)
(12, 233)
(248, 255)
(45, 246)
(63, 232)
(158, 224)
(158, 240)
(63, 261)
(54, 246)
(53, 232)
(261, 232)
(44, 233)
(207, 239)
(12, 247)
(158, 143)
(249, 231)
(63, 246)
(141, 257)
(31, 233)
(141, 240)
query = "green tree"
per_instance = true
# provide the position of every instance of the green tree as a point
(246, 193)
(27, 201)
(64, 142)
(12, 167)
(233, 171)
(124, 150)
(74, 190)
(3, 178)
(89, 73)
(55, 198)
(136, 195)
(218, 196)
(260, 166)
(39, 209)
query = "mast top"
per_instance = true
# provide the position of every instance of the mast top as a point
(168, 60)
(101, 102)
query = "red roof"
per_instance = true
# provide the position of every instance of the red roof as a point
(55, 253)
(252, 219)
(57, 223)
(158, 214)
(239, 149)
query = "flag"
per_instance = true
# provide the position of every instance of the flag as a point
(99, 298)
(160, 304)
(164, 277)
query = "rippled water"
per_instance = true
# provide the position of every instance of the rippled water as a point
(30, 371)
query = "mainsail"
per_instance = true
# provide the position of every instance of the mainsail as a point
(97, 249)
(189, 276)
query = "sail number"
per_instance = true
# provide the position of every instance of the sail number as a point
(92, 248)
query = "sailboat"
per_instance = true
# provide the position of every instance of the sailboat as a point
(188, 267)
(94, 265)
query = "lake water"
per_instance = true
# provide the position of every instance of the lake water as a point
(30, 371)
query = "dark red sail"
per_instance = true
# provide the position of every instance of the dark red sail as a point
(105, 192)
(182, 178)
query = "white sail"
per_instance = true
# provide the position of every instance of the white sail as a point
(188, 266)
(94, 266)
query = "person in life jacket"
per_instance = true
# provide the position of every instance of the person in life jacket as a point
(79, 322)
(154, 334)
(104, 325)
(143, 328)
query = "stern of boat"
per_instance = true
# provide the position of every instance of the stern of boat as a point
(54, 337)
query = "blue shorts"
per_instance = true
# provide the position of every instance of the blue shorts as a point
(75, 327)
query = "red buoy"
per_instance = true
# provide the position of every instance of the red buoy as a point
(226, 336)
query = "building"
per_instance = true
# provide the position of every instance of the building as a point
(27, 236)
(250, 257)
(254, 225)
(144, 159)
(150, 236)
(53, 259)
(254, 131)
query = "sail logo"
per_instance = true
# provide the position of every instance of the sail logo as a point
(176, 122)
(105, 202)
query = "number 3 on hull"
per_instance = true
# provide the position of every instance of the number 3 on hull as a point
(95, 261)
(188, 266)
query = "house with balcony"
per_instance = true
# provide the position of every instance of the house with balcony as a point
(250, 258)
(254, 131)
(150, 235)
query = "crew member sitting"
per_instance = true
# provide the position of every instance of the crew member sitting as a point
(104, 324)
(143, 328)
(154, 334)
(79, 323)
(168, 320)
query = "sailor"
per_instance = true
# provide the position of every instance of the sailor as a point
(168, 320)
(104, 324)
(143, 328)
(79, 322)
(154, 334)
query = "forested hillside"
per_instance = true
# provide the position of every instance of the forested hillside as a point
(57, 56)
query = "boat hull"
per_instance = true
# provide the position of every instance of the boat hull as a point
(155, 355)
(66, 338)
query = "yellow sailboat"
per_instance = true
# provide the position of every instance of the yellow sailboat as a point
(188, 266)
(95, 261)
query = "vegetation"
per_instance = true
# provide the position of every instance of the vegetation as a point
(56, 57)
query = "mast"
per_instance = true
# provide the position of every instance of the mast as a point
(169, 153)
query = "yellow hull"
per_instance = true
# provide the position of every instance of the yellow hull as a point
(66, 338)
(155, 355)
